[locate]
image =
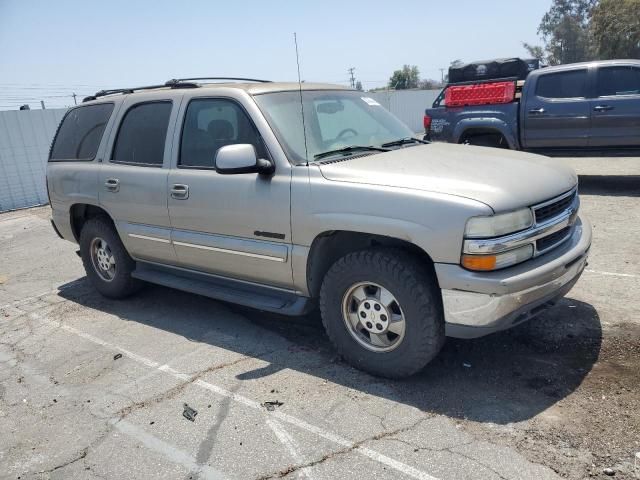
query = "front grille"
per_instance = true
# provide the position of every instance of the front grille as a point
(554, 209)
(550, 241)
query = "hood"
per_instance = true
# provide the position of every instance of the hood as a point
(503, 179)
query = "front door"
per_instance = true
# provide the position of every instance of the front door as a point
(133, 179)
(615, 112)
(236, 226)
(557, 113)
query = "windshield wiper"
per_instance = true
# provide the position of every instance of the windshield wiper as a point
(352, 148)
(403, 141)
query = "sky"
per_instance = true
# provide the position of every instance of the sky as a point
(50, 49)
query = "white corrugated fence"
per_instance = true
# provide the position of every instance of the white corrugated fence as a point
(25, 137)
(407, 105)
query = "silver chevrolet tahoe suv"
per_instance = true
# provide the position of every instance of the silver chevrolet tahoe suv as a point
(286, 196)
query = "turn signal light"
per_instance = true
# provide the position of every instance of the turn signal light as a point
(479, 262)
(484, 263)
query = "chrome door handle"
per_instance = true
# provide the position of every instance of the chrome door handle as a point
(180, 191)
(112, 184)
(602, 108)
(536, 111)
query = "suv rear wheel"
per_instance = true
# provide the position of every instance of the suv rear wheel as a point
(107, 263)
(382, 312)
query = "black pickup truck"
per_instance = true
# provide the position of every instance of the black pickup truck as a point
(583, 105)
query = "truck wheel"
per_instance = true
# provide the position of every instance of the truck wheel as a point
(107, 263)
(382, 311)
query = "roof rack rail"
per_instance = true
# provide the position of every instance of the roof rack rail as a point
(113, 91)
(173, 83)
(188, 82)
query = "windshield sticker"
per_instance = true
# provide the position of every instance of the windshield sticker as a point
(370, 101)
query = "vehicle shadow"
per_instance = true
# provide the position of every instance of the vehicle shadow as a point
(502, 378)
(610, 185)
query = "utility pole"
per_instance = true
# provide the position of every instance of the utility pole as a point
(353, 78)
(42, 103)
(74, 99)
(442, 75)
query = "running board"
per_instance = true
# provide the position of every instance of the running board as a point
(226, 290)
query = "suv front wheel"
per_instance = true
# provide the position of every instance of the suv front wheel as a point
(107, 263)
(381, 310)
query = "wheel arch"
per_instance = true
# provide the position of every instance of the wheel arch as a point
(495, 126)
(80, 213)
(327, 247)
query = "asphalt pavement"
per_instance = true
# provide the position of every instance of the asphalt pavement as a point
(172, 385)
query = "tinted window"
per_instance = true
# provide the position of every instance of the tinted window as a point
(80, 133)
(142, 134)
(571, 84)
(213, 123)
(618, 81)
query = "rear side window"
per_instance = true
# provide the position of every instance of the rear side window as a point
(142, 134)
(572, 84)
(618, 81)
(212, 123)
(80, 133)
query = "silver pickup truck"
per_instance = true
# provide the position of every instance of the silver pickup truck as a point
(284, 197)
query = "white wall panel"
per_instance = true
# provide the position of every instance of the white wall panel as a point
(25, 137)
(407, 105)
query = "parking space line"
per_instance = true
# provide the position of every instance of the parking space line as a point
(335, 438)
(613, 274)
(167, 450)
(290, 444)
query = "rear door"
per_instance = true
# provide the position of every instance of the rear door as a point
(557, 114)
(615, 112)
(133, 177)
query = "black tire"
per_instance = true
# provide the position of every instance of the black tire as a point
(416, 291)
(122, 284)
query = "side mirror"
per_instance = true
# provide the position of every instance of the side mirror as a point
(241, 158)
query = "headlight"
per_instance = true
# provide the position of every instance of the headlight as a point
(498, 225)
(497, 261)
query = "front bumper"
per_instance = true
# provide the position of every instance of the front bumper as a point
(477, 304)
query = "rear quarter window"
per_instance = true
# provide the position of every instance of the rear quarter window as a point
(80, 132)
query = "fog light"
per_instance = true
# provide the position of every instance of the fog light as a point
(485, 263)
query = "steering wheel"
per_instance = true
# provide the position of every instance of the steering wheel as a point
(344, 132)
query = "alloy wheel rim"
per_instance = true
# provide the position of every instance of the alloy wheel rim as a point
(373, 317)
(103, 260)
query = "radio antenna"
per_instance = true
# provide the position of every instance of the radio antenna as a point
(304, 128)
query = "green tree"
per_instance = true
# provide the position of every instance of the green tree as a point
(408, 77)
(359, 86)
(615, 26)
(565, 30)
(536, 51)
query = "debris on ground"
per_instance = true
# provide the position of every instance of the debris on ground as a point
(117, 356)
(609, 471)
(466, 365)
(271, 406)
(189, 413)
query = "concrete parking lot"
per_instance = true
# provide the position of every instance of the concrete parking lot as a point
(95, 388)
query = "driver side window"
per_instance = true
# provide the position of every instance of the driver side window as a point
(212, 123)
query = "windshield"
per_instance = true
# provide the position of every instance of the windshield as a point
(334, 119)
